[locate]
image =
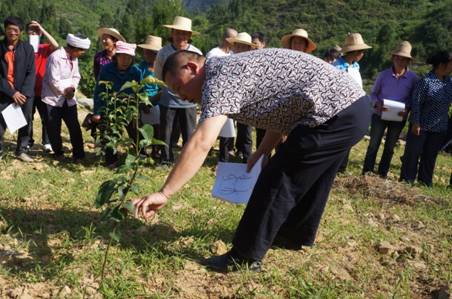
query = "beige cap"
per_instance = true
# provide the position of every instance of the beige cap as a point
(285, 40)
(153, 43)
(242, 38)
(403, 49)
(112, 32)
(181, 23)
(354, 42)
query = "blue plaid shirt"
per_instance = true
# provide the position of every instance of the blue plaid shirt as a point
(431, 101)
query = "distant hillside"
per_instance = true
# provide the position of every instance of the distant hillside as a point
(383, 23)
(201, 5)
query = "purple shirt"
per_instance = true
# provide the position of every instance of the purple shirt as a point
(389, 87)
(100, 59)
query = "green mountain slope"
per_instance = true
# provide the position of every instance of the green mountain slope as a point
(383, 23)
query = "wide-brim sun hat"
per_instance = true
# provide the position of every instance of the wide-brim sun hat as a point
(125, 48)
(110, 31)
(242, 38)
(299, 32)
(181, 23)
(354, 42)
(403, 50)
(153, 43)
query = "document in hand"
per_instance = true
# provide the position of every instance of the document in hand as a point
(14, 118)
(233, 183)
(393, 109)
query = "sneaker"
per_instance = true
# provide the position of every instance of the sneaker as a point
(47, 148)
(24, 157)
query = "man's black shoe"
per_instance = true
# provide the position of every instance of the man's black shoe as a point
(227, 263)
(283, 243)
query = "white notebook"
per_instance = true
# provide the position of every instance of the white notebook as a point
(393, 109)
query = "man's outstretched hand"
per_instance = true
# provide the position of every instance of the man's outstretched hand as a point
(147, 206)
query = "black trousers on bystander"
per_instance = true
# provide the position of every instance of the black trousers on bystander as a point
(39, 105)
(68, 114)
(420, 156)
(377, 130)
(244, 141)
(187, 123)
(226, 145)
(23, 136)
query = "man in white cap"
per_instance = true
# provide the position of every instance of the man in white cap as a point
(176, 115)
(285, 92)
(228, 132)
(61, 80)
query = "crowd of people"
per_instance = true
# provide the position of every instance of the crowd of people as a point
(45, 78)
(308, 113)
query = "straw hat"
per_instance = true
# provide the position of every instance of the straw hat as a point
(112, 32)
(242, 38)
(153, 43)
(354, 42)
(285, 40)
(181, 23)
(337, 48)
(403, 49)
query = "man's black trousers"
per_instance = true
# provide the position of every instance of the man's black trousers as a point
(290, 195)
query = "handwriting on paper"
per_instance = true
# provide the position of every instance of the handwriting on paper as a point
(234, 183)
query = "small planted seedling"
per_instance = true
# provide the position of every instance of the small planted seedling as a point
(121, 109)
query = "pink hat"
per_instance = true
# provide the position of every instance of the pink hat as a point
(125, 48)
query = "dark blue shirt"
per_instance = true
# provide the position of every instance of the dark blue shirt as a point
(431, 101)
(110, 73)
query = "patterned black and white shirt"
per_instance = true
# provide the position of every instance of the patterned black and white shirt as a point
(276, 89)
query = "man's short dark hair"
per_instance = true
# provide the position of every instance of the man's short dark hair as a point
(171, 62)
(12, 20)
(260, 36)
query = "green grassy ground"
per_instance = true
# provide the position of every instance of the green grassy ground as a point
(378, 238)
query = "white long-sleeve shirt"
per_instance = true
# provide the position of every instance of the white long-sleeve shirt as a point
(61, 72)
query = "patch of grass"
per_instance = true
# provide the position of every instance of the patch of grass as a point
(51, 236)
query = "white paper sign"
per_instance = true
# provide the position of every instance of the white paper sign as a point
(34, 41)
(233, 183)
(14, 118)
(153, 117)
(392, 110)
(228, 130)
